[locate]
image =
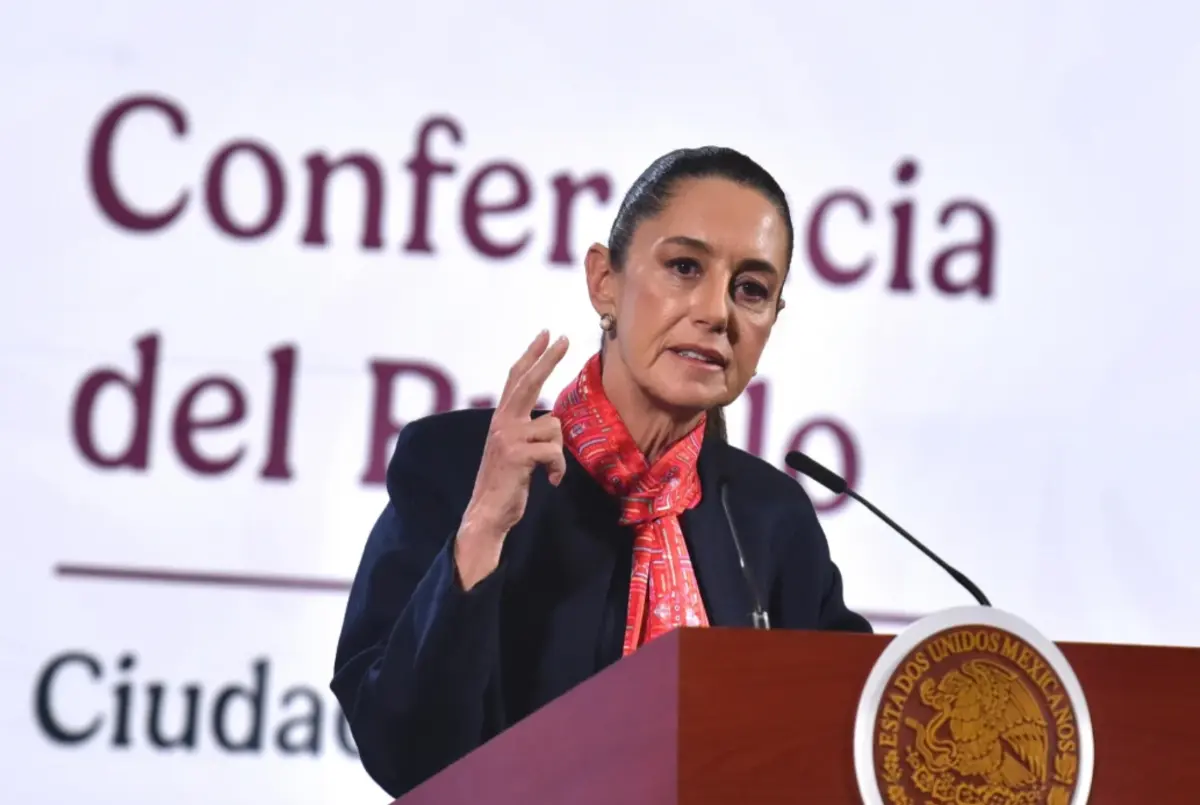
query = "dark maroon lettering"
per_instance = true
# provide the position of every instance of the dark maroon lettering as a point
(566, 190)
(214, 190)
(817, 255)
(905, 267)
(283, 363)
(100, 165)
(187, 423)
(191, 417)
(423, 168)
(951, 270)
(902, 216)
(758, 393)
(383, 425)
(474, 209)
(320, 168)
(140, 389)
(983, 248)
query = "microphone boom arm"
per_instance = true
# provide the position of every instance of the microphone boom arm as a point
(957, 576)
(837, 484)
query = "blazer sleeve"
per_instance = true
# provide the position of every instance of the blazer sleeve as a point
(807, 557)
(835, 615)
(417, 654)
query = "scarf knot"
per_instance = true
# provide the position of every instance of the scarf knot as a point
(663, 592)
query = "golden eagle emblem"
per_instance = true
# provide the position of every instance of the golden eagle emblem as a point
(987, 725)
(975, 715)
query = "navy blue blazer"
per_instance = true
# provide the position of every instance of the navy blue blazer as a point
(426, 672)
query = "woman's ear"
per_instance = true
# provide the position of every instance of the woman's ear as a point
(601, 280)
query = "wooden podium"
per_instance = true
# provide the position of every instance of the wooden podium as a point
(742, 717)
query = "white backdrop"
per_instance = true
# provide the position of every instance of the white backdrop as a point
(1042, 436)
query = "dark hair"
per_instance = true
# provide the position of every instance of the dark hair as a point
(652, 191)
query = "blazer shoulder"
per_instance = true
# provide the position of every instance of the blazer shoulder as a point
(463, 427)
(450, 432)
(442, 449)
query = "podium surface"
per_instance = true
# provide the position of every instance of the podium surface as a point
(744, 717)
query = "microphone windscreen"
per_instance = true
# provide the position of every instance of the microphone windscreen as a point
(822, 475)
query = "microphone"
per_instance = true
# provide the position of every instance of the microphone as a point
(758, 617)
(837, 485)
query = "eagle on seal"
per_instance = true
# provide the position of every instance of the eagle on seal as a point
(996, 729)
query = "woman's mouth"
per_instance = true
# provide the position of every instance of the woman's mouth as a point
(700, 357)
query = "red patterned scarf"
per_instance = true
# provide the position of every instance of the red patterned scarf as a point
(663, 592)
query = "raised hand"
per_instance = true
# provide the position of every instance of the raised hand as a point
(517, 444)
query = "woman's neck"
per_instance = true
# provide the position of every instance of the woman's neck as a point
(653, 429)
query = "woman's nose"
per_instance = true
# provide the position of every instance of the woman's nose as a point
(710, 305)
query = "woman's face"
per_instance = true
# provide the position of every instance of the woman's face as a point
(698, 295)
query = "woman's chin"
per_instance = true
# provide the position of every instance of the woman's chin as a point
(681, 400)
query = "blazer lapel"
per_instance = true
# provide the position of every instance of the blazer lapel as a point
(710, 544)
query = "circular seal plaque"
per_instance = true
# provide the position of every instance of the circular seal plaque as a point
(973, 706)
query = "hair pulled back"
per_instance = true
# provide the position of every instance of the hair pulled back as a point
(651, 192)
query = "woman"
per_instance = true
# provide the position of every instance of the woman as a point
(523, 551)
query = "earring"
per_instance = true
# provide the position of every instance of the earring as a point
(607, 322)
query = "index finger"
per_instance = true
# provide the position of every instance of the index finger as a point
(527, 388)
(518, 370)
